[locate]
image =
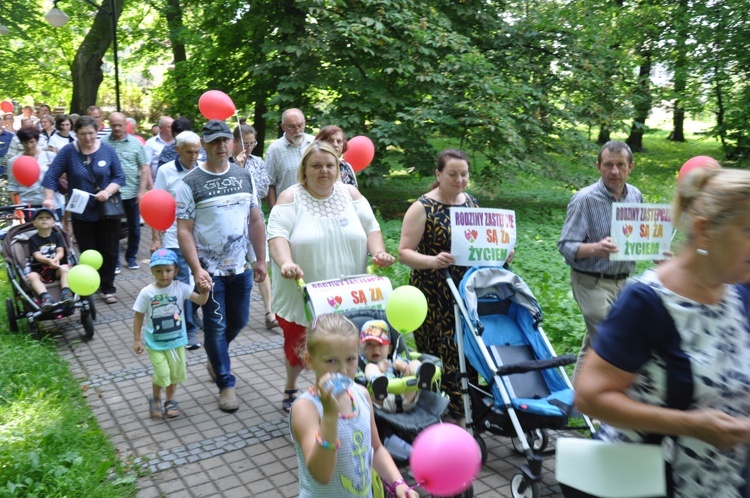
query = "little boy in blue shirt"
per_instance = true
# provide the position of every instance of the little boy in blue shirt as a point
(158, 311)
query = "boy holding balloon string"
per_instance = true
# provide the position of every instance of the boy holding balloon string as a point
(164, 331)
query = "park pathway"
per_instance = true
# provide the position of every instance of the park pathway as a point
(206, 452)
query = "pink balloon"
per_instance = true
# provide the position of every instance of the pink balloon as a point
(697, 162)
(26, 170)
(445, 459)
(6, 106)
(359, 153)
(216, 105)
(158, 209)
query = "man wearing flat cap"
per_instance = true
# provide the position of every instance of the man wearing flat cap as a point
(217, 212)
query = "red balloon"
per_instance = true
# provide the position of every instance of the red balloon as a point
(697, 162)
(26, 170)
(359, 153)
(216, 105)
(6, 106)
(158, 209)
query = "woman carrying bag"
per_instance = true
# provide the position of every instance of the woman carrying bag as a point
(92, 167)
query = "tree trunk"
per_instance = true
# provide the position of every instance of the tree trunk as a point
(604, 135)
(720, 111)
(173, 13)
(680, 72)
(86, 68)
(641, 104)
(259, 123)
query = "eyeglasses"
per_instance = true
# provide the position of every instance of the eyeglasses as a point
(250, 145)
(8, 118)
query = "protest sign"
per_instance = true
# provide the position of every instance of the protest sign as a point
(482, 236)
(642, 232)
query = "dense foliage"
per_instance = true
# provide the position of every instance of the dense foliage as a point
(505, 79)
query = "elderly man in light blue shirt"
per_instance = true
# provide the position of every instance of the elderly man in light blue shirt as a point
(284, 155)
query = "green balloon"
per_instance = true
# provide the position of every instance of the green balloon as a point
(406, 308)
(92, 258)
(83, 280)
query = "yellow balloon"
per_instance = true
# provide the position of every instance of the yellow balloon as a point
(92, 258)
(83, 280)
(406, 308)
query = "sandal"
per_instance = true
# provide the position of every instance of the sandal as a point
(172, 409)
(154, 410)
(110, 298)
(291, 396)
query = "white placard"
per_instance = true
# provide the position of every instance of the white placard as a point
(78, 201)
(482, 236)
(642, 232)
(344, 294)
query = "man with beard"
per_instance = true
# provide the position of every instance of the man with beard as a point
(284, 155)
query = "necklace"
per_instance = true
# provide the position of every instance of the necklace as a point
(351, 398)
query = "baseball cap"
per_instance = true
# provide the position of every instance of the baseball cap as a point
(43, 210)
(375, 330)
(163, 257)
(215, 129)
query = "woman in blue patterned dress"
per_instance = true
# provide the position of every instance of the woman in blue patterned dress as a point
(671, 359)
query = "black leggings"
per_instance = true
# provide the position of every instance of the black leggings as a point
(102, 236)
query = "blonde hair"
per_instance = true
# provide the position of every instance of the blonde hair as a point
(718, 195)
(316, 146)
(331, 326)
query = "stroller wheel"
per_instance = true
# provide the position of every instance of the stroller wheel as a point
(523, 487)
(88, 326)
(11, 312)
(482, 447)
(538, 439)
(92, 307)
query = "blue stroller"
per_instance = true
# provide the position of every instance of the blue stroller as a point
(527, 390)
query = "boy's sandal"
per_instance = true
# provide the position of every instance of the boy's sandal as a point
(291, 396)
(154, 410)
(110, 298)
(172, 409)
(380, 387)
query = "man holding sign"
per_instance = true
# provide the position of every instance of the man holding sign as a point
(585, 242)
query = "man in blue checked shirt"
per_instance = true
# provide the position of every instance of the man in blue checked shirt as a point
(585, 242)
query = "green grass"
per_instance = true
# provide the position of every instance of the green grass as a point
(51, 445)
(50, 442)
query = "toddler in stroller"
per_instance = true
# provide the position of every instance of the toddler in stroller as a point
(36, 297)
(48, 261)
(375, 338)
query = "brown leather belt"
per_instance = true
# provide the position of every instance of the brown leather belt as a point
(605, 276)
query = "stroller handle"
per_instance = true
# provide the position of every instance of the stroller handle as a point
(529, 366)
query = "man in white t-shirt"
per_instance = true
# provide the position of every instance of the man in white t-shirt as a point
(155, 144)
(217, 212)
(284, 155)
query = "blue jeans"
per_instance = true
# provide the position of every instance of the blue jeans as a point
(183, 275)
(224, 315)
(133, 215)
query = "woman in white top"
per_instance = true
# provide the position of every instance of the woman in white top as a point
(63, 134)
(319, 229)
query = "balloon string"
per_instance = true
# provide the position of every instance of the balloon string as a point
(216, 310)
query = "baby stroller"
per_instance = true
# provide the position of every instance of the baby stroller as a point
(25, 303)
(527, 389)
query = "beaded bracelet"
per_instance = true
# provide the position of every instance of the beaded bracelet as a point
(325, 444)
(392, 487)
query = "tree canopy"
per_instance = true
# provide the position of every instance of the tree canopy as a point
(510, 80)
